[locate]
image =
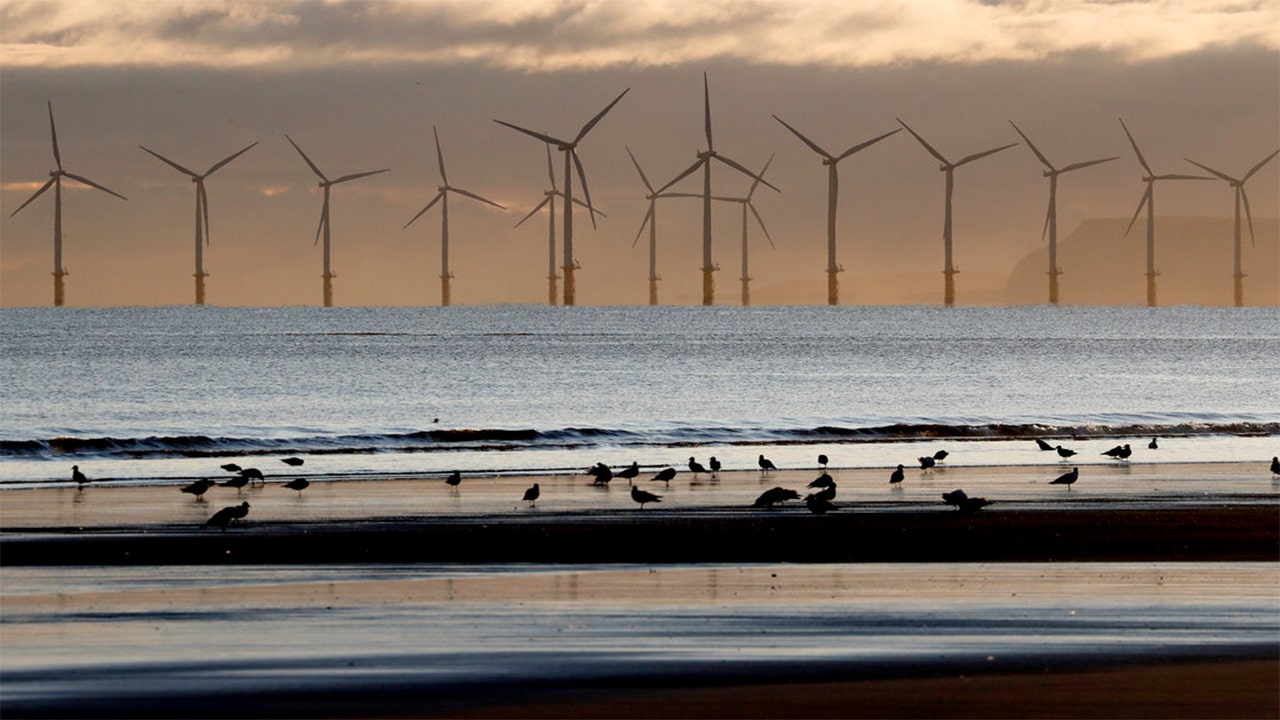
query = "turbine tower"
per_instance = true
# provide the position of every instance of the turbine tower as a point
(549, 199)
(1149, 200)
(202, 209)
(570, 150)
(651, 220)
(1051, 217)
(833, 192)
(323, 228)
(949, 269)
(1238, 185)
(442, 197)
(55, 179)
(704, 162)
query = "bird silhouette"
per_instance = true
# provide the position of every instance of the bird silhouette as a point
(1119, 452)
(714, 464)
(299, 484)
(773, 496)
(1275, 466)
(454, 479)
(696, 467)
(817, 505)
(236, 482)
(927, 462)
(766, 464)
(1153, 444)
(199, 488)
(78, 477)
(227, 515)
(531, 495)
(955, 497)
(827, 493)
(822, 460)
(897, 476)
(629, 473)
(231, 467)
(292, 461)
(940, 455)
(254, 474)
(972, 505)
(1064, 453)
(666, 475)
(1043, 445)
(824, 480)
(643, 497)
(1067, 479)
(603, 474)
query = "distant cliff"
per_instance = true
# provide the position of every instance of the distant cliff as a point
(1101, 266)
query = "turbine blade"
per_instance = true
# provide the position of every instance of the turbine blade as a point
(1087, 163)
(204, 210)
(592, 123)
(357, 176)
(635, 162)
(324, 218)
(812, 145)
(586, 192)
(756, 183)
(984, 153)
(428, 206)
(863, 146)
(1043, 160)
(595, 210)
(706, 97)
(53, 133)
(544, 138)
(474, 196)
(440, 156)
(1222, 175)
(532, 212)
(738, 166)
(1248, 214)
(93, 184)
(169, 162)
(312, 165)
(218, 165)
(1258, 167)
(926, 145)
(551, 171)
(1146, 198)
(681, 195)
(1045, 232)
(760, 220)
(1142, 160)
(685, 174)
(648, 215)
(37, 194)
(1175, 176)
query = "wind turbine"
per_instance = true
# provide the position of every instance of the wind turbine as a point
(442, 197)
(323, 228)
(202, 209)
(1051, 217)
(1149, 199)
(570, 150)
(833, 192)
(651, 220)
(704, 162)
(1238, 185)
(55, 179)
(949, 270)
(549, 199)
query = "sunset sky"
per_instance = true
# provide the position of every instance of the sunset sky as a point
(359, 84)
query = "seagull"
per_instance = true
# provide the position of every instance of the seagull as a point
(254, 474)
(971, 505)
(1153, 444)
(822, 460)
(824, 481)
(827, 493)
(1275, 466)
(714, 464)
(897, 476)
(1064, 453)
(603, 474)
(531, 495)
(1119, 452)
(695, 467)
(817, 505)
(292, 461)
(1067, 478)
(666, 476)
(926, 462)
(236, 482)
(199, 488)
(955, 497)
(300, 484)
(766, 464)
(773, 496)
(454, 479)
(940, 455)
(78, 477)
(231, 467)
(642, 496)
(1043, 445)
(226, 515)
(630, 473)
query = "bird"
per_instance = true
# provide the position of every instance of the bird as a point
(822, 460)
(531, 495)
(955, 497)
(236, 482)
(603, 474)
(629, 473)
(1275, 466)
(696, 467)
(226, 515)
(1067, 479)
(454, 479)
(231, 467)
(666, 475)
(714, 464)
(642, 496)
(773, 496)
(1064, 453)
(254, 474)
(827, 493)
(299, 484)
(1153, 444)
(940, 455)
(824, 480)
(897, 476)
(971, 505)
(1043, 445)
(199, 488)
(78, 477)
(1119, 452)
(766, 464)
(817, 505)
(927, 462)
(292, 461)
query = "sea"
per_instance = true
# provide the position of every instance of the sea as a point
(163, 394)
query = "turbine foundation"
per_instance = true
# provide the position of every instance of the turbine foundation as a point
(200, 287)
(1053, 286)
(708, 286)
(328, 289)
(746, 292)
(570, 288)
(1151, 289)
(59, 288)
(833, 286)
(551, 290)
(653, 291)
(949, 288)
(444, 290)
(1239, 289)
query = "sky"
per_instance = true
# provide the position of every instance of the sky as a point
(359, 84)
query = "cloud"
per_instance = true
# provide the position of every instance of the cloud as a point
(593, 34)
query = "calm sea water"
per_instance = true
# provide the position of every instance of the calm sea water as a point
(160, 393)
